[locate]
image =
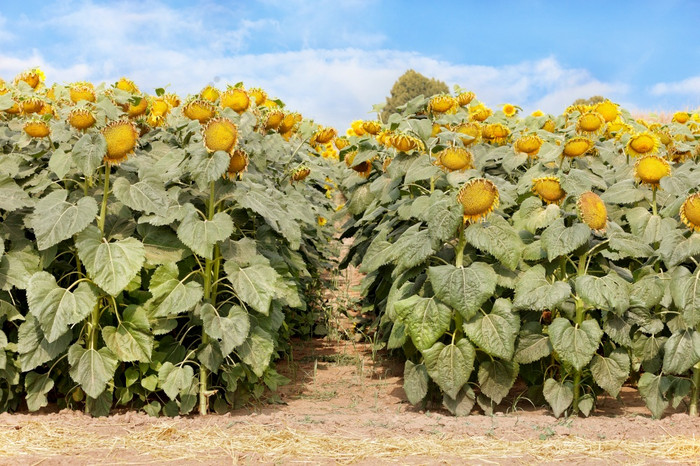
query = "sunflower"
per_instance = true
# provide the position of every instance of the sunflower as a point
(471, 129)
(31, 105)
(127, 85)
(258, 95)
(273, 119)
(121, 137)
(81, 118)
(495, 133)
(690, 212)
(537, 113)
(608, 110)
(549, 126)
(529, 144)
(33, 77)
(592, 211)
(442, 103)
(478, 198)
(384, 137)
(465, 98)
(47, 109)
(617, 128)
(510, 110)
(220, 134)
(372, 127)
(642, 144)
(677, 155)
(160, 106)
(209, 93)
(577, 146)
(405, 142)
(82, 91)
(323, 135)
(199, 109)
(455, 159)
(580, 108)
(238, 163)
(288, 122)
(681, 117)
(479, 112)
(300, 173)
(548, 188)
(341, 142)
(137, 106)
(651, 168)
(590, 123)
(37, 128)
(321, 220)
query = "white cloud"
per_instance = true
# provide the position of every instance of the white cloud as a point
(689, 86)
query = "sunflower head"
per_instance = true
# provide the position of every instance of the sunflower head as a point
(577, 146)
(455, 159)
(608, 110)
(549, 126)
(548, 188)
(121, 137)
(384, 137)
(200, 110)
(82, 91)
(510, 110)
(37, 128)
(258, 95)
(442, 103)
(592, 211)
(160, 106)
(478, 198)
(323, 135)
(590, 123)
(617, 128)
(405, 142)
(471, 129)
(81, 118)
(356, 128)
(495, 133)
(273, 119)
(33, 77)
(137, 106)
(341, 142)
(651, 168)
(372, 127)
(479, 112)
(537, 113)
(127, 85)
(220, 134)
(677, 155)
(236, 99)
(643, 143)
(209, 93)
(31, 105)
(690, 212)
(529, 144)
(288, 122)
(238, 163)
(465, 98)
(300, 173)
(681, 117)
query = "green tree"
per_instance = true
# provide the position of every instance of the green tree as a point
(589, 101)
(410, 85)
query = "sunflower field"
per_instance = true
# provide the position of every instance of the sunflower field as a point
(155, 253)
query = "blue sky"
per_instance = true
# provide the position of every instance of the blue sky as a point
(332, 60)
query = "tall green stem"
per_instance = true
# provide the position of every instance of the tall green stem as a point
(459, 249)
(209, 298)
(695, 390)
(103, 210)
(653, 201)
(580, 315)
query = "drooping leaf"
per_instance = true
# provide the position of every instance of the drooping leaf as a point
(558, 239)
(498, 238)
(651, 388)
(232, 330)
(17, 268)
(173, 296)
(533, 291)
(685, 290)
(461, 405)
(531, 345)
(12, 196)
(88, 152)
(380, 252)
(612, 371)
(206, 167)
(450, 365)
(496, 331)
(33, 348)
(257, 350)
(628, 245)
(576, 345)
(426, 319)
(443, 219)
(496, 378)
(37, 386)
(607, 293)
(463, 288)
(254, 284)
(681, 351)
(131, 340)
(91, 368)
(558, 395)
(175, 379)
(201, 235)
(415, 382)
(413, 247)
(55, 219)
(143, 196)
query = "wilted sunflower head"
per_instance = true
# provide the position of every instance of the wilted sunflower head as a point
(479, 197)
(209, 93)
(577, 146)
(31, 105)
(81, 118)
(160, 106)
(82, 91)
(288, 122)
(548, 188)
(529, 144)
(220, 134)
(238, 163)
(681, 117)
(442, 103)
(37, 128)
(471, 129)
(651, 168)
(590, 123)
(199, 109)
(300, 173)
(384, 137)
(549, 126)
(495, 133)
(608, 110)
(258, 95)
(405, 142)
(677, 155)
(643, 143)
(372, 127)
(356, 128)
(236, 99)
(323, 135)
(154, 120)
(465, 98)
(479, 112)
(690, 212)
(127, 85)
(273, 119)
(137, 106)
(510, 110)
(34, 77)
(592, 211)
(121, 137)
(341, 142)
(455, 159)
(581, 108)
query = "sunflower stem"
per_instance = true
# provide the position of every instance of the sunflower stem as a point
(580, 316)
(105, 195)
(694, 391)
(459, 249)
(653, 201)
(209, 298)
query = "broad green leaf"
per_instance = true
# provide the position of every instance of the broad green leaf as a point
(685, 249)
(175, 379)
(91, 368)
(267, 203)
(161, 244)
(201, 235)
(37, 386)
(496, 331)
(607, 293)
(461, 405)
(681, 351)
(17, 267)
(58, 308)
(576, 345)
(60, 162)
(380, 252)
(651, 388)
(88, 152)
(415, 382)
(12, 196)
(450, 365)
(172, 295)
(496, 378)
(257, 350)
(623, 192)
(210, 355)
(465, 289)
(444, 218)
(618, 329)
(497, 238)
(412, 248)
(146, 196)
(232, 330)
(55, 219)
(560, 240)
(33, 348)
(685, 290)
(647, 292)
(628, 245)
(254, 284)
(420, 169)
(558, 395)
(533, 291)
(531, 345)
(111, 265)
(426, 319)
(397, 337)
(206, 167)
(612, 371)
(131, 340)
